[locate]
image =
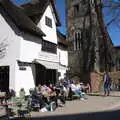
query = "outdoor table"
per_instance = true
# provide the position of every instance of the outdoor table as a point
(49, 94)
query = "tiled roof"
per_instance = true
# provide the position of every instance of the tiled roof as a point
(35, 9)
(20, 18)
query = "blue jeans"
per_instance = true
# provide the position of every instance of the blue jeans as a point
(80, 93)
(106, 89)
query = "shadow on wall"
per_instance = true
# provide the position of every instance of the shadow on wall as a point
(106, 115)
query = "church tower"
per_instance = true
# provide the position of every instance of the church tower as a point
(85, 37)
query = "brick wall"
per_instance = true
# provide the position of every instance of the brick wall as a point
(115, 75)
(95, 80)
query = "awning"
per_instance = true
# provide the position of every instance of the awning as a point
(62, 67)
(48, 64)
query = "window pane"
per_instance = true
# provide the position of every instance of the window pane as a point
(48, 21)
(49, 47)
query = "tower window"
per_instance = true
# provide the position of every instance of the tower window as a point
(77, 42)
(76, 10)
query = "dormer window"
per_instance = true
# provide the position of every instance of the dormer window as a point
(48, 21)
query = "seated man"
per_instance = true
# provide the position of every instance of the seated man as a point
(85, 87)
(36, 100)
(77, 90)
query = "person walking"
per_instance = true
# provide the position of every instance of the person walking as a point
(106, 84)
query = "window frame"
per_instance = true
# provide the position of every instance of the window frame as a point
(76, 9)
(48, 21)
(49, 47)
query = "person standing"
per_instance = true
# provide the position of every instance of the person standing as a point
(106, 83)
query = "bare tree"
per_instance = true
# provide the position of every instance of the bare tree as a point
(111, 9)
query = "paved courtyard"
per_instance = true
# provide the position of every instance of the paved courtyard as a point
(95, 108)
(93, 104)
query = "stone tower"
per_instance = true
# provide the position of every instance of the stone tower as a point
(86, 39)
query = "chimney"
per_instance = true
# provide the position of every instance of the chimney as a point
(54, 1)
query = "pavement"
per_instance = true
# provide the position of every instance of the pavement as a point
(92, 104)
(96, 107)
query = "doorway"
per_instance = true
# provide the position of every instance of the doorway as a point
(51, 76)
(4, 78)
(40, 74)
(44, 75)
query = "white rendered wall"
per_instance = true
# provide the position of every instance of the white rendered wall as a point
(50, 32)
(62, 72)
(24, 79)
(9, 44)
(18, 47)
(63, 57)
(30, 48)
(63, 60)
(26, 48)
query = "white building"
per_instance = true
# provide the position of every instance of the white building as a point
(63, 55)
(28, 45)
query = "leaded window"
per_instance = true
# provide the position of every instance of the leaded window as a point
(49, 46)
(77, 40)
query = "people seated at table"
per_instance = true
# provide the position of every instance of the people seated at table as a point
(60, 93)
(55, 93)
(49, 97)
(36, 100)
(44, 98)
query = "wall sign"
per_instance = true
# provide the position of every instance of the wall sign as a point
(3, 49)
(22, 68)
(49, 57)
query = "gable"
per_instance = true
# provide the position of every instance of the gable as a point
(48, 13)
(48, 28)
(36, 8)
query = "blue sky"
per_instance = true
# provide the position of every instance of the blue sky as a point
(20, 1)
(60, 4)
(113, 29)
(114, 33)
